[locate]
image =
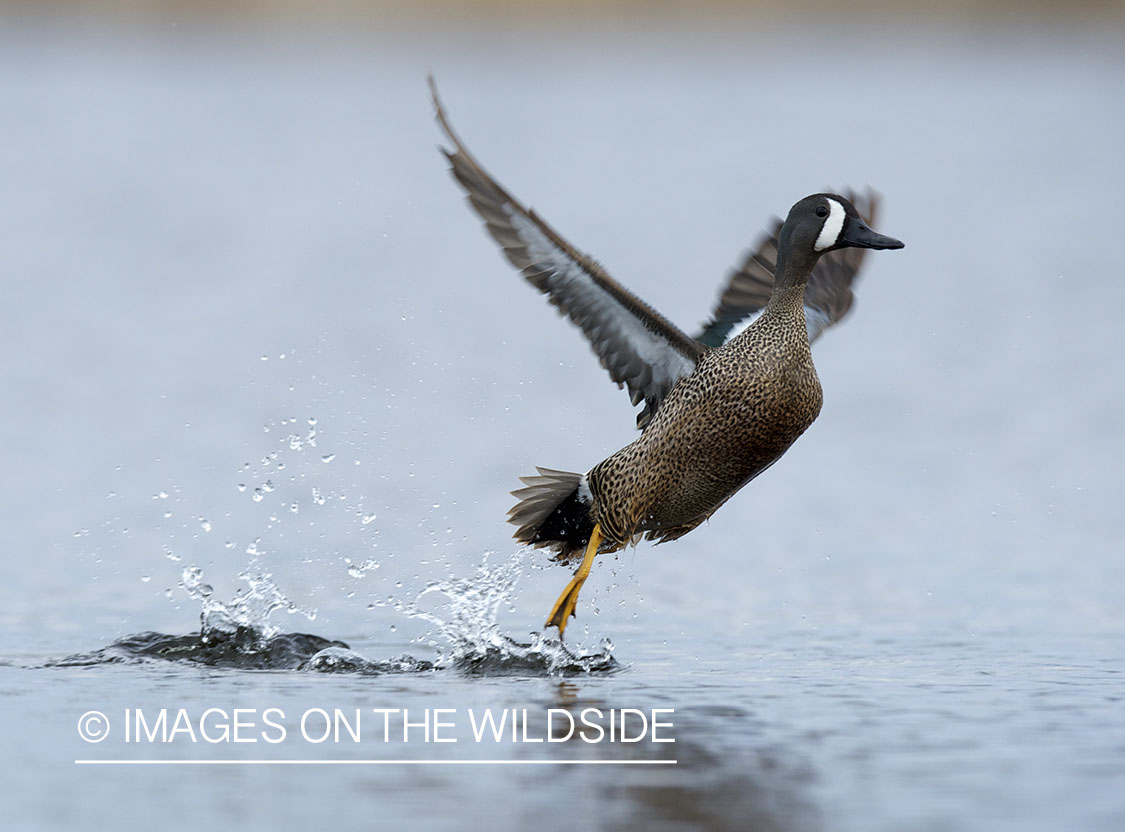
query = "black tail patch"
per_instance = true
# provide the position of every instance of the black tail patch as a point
(553, 511)
(569, 525)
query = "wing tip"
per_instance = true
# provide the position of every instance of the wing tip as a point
(442, 118)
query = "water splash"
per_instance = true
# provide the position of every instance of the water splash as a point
(250, 609)
(239, 633)
(360, 570)
(468, 636)
(341, 659)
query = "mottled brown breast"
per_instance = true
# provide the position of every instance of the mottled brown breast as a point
(719, 428)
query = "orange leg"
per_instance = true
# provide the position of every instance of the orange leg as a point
(564, 607)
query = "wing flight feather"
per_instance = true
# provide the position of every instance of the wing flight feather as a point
(638, 346)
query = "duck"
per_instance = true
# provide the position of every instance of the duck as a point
(717, 408)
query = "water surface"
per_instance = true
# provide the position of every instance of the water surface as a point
(251, 330)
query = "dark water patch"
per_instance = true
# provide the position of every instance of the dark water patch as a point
(247, 649)
(241, 649)
(711, 787)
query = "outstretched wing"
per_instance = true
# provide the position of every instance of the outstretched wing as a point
(638, 346)
(828, 296)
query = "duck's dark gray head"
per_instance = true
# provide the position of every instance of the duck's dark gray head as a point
(826, 222)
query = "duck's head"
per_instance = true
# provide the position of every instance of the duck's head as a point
(826, 222)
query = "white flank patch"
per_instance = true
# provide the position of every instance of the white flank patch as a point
(742, 326)
(584, 492)
(833, 225)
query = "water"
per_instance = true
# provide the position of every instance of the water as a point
(253, 340)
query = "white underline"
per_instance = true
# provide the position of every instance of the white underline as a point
(375, 762)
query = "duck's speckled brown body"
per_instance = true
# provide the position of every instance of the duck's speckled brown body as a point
(720, 427)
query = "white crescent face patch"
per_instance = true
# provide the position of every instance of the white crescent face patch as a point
(833, 225)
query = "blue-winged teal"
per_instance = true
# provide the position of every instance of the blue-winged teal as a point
(718, 410)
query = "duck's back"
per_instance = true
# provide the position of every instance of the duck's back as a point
(720, 427)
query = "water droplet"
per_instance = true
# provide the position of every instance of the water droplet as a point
(367, 519)
(328, 457)
(205, 524)
(146, 578)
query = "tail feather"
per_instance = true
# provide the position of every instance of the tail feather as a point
(553, 511)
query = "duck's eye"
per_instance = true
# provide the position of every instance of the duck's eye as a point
(822, 211)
